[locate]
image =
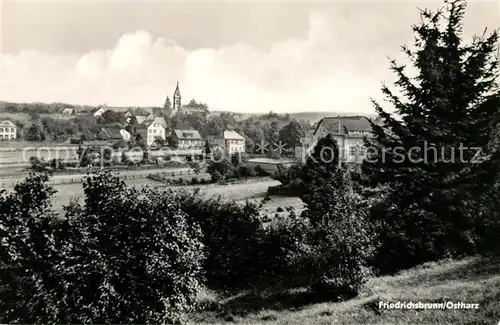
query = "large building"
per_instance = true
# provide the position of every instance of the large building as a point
(230, 142)
(188, 139)
(8, 130)
(150, 130)
(348, 131)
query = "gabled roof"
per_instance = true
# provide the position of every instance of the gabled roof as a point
(187, 134)
(68, 110)
(160, 120)
(345, 124)
(232, 135)
(96, 109)
(147, 123)
(143, 111)
(110, 133)
(7, 123)
(140, 119)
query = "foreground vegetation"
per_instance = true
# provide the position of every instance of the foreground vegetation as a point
(470, 280)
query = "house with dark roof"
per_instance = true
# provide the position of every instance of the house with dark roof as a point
(348, 131)
(110, 134)
(187, 139)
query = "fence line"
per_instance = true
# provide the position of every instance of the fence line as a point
(125, 177)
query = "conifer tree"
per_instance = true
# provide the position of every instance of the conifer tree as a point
(428, 155)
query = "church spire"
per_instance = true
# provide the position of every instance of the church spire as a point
(177, 99)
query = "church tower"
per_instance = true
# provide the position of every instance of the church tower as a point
(177, 99)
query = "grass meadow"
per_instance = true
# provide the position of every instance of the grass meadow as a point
(471, 280)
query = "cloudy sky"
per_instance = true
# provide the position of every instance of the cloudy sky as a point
(240, 56)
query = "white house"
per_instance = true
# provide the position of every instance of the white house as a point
(230, 141)
(8, 130)
(99, 111)
(150, 130)
(69, 111)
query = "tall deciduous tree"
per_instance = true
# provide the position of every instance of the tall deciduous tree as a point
(291, 134)
(451, 103)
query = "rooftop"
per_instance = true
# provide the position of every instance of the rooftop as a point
(346, 124)
(188, 134)
(110, 133)
(232, 135)
(7, 123)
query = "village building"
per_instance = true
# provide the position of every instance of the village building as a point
(348, 131)
(150, 130)
(110, 134)
(229, 142)
(188, 139)
(98, 111)
(8, 130)
(69, 111)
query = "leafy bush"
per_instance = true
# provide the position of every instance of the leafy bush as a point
(342, 237)
(125, 256)
(259, 171)
(194, 180)
(220, 169)
(245, 171)
(232, 235)
(287, 258)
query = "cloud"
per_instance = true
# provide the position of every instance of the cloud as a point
(329, 69)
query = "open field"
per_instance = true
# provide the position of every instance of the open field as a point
(472, 280)
(253, 191)
(67, 192)
(9, 181)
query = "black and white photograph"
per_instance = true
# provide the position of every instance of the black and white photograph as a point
(250, 162)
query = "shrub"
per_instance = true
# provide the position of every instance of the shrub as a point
(194, 180)
(245, 171)
(125, 256)
(279, 209)
(287, 258)
(220, 169)
(342, 238)
(232, 235)
(259, 171)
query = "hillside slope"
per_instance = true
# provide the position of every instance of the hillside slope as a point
(472, 280)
